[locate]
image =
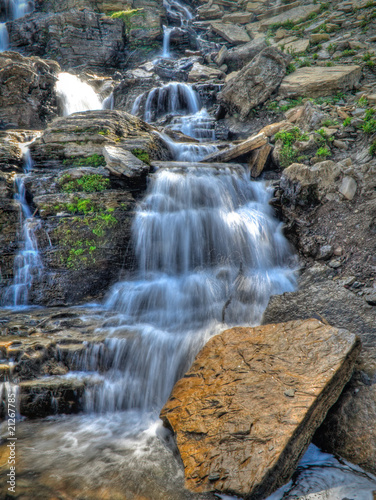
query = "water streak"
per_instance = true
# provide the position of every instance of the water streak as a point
(174, 97)
(14, 9)
(209, 254)
(76, 95)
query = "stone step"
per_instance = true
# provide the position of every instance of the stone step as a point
(185, 165)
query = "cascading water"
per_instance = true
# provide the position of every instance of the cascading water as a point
(210, 254)
(76, 95)
(174, 98)
(28, 265)
(14, 9)
(177, 11)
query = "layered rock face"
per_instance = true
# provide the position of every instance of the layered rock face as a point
(83, 186)
(73, 38)
(28, 97)
(247, 409)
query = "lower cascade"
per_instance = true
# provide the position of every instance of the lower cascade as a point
(209, 254)
(76, 95)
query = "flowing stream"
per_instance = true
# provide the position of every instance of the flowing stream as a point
(210, 254)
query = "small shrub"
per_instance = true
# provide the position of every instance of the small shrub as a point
(89, 183)
(347, 121)
(142, 155)
(287, 154)
(323, 152)
(94, 160)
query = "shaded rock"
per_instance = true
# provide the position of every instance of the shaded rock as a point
(238, 17)
(209, 11)
(73, 38)
(320, 81)
(27, 98)
(121, 162)
(254, 83)
(230, 32)
(246, 410)
(302, 184)
(295, 15)
(134, 83)
(237, 57)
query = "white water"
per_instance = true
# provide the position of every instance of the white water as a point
(166, 41)
(76, 95)
(174, 97)
(28, 265)
(14, 9)
(209, 255)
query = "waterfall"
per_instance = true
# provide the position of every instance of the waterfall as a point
(209, 255)
(28, 265)
(166, 41)
(200, 125)
(76, 95)
(177, 10)
(14, 9)
(173, 97)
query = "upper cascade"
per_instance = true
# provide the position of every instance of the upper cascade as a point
(13, 10)
(76, 95)
(174, 98)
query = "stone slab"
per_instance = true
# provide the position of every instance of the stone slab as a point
(247, 409)
(320, 81)
(295, 15)
(231, 32)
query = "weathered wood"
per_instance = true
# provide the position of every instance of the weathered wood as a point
(186, 165)
(258, 160)
(254, 142)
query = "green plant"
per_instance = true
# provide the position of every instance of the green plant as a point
(142, 155)
(288, 154)
(369, 126)
(89, 183)
(323, 152)
(347, 121)
(324, 6)
(348, 52)
(290, 68)
(372, 148)
(329, 63)
(315, 56)
(126, 16)
(328, 122)
(94, 160)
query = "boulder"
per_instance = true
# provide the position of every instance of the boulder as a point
(320, 81)
(349, 428)
(246, 411)
(294, 15)
(28, 97)
(238, 57)
(238, 17)
(201, 73)
(121, 162)
(295, 47)
(232, 33)
(254, 83)
(302, 184)
(73, 38)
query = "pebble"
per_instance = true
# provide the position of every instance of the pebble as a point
(335, 264)
(290, 393)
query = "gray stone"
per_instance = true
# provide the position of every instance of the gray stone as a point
(295, 15)
(254, 83)
(348, 188)
(121, 162)
(237, 57)
(231, 32)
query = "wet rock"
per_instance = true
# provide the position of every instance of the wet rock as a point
(73, 38)
(320, 81)
(246, 410)
(259, 159)
(28, 98)
(254, 83)
(252, 143)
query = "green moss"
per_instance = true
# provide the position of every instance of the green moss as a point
(126, 16)
(94, 160)
(372, 149)
(81, 237)
(141, 154)
(89, 183)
